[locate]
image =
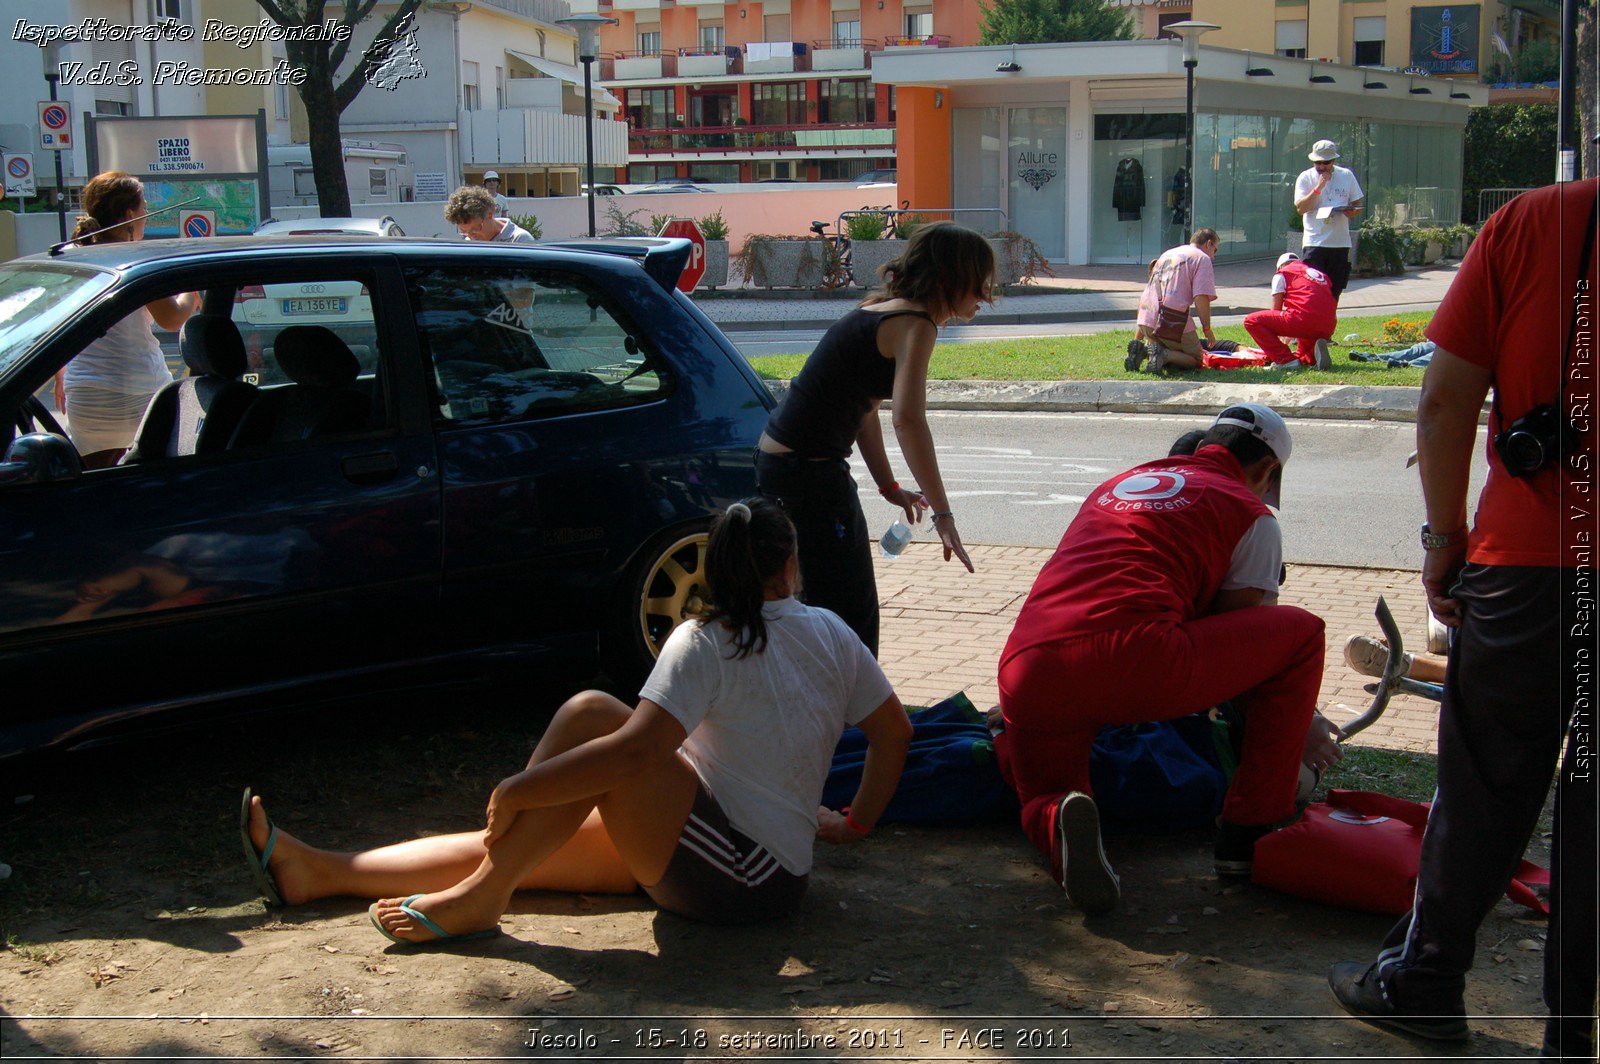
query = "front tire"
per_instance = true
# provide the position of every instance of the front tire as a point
(666, 587)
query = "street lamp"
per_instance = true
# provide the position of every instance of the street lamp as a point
(1191, 32)
(588, 27)
(52, 74)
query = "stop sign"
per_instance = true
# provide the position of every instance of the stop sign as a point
(689, 230)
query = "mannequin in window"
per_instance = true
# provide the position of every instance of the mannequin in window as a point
(1127, 189)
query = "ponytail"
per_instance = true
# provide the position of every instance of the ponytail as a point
(750, 544)
(107, 199)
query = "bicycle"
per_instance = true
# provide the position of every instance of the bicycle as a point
(840, 270)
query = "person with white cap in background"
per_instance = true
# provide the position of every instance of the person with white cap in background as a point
(1161, 601)
(1302, 308)
(502, 206)
(1328, 196)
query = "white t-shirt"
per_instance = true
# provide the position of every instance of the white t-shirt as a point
(127, 359)
(512, 233)
(502, 206)
(1343, 189)
(1257, 559)
(762, 730)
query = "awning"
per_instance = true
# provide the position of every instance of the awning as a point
(570, 74)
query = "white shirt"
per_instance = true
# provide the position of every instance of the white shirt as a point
(502, 206)
(127, 359)
(1343, 189)
(1257, 560)
(762, 730)
(512, 233)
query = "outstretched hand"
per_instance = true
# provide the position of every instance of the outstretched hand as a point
(835, 828)
(946, 527)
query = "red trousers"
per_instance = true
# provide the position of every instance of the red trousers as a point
(1058, 695)
(1266, 326)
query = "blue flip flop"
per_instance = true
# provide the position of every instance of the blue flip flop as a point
(422, 918)
(258, 861)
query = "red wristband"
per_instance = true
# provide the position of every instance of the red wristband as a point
(894, 485)
(850, 822)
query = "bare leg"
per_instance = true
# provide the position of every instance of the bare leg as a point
(643, 819)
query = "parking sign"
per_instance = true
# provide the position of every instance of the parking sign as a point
(194, 224)
(55, 126)
(19, 174)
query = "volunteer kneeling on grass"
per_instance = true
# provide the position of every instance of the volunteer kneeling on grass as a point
(1159, 603)
(1303, 309)
(706, 794)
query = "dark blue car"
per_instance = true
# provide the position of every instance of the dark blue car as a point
(469, 455)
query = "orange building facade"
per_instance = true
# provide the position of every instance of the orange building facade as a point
(780, 90)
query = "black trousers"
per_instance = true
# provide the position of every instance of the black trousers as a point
(1335, 262)
(1508, 708)
(835, 548)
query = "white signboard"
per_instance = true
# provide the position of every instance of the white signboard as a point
(19, 174)
(55, 126)
(194, 146)
(430, 187)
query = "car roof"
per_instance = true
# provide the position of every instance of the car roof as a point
(653, 254)
(322, 226)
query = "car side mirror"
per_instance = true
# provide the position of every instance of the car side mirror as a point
(39, 457)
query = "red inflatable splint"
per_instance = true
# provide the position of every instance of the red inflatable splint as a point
(1243, 358)
(1360, 850)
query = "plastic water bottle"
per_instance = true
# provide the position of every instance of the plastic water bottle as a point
(894, 541)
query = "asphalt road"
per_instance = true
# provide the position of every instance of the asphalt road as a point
(1018, 479)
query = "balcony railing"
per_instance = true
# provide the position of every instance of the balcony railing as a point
(931, 40)
(859, 44)
(705, 139)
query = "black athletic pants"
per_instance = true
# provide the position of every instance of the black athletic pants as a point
(835, 550)
(1335, 262)
(1507, 710)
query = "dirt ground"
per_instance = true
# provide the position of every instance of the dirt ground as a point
(132, 929)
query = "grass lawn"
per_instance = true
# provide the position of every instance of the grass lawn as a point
(1099, 357)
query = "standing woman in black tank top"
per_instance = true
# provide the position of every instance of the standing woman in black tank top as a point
(880, 349)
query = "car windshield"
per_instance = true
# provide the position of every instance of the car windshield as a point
(35, 297)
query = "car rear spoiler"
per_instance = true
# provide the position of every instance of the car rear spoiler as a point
(663, 258)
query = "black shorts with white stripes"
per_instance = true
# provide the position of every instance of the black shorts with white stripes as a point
(718, 875)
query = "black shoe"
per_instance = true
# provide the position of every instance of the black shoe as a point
(1566, 1039)
(1324, 358)
(1136, 356)
(1236, 848)
(1086, 875)
(1360, 992)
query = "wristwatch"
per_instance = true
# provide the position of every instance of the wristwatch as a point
(1432, 540)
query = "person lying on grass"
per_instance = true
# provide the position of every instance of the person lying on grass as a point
(705, 795)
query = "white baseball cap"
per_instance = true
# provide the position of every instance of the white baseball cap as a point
(1266, 425)
(1324, 151)
(1286, 258)
(490, 175)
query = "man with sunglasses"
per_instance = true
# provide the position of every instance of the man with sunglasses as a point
(1328, 196)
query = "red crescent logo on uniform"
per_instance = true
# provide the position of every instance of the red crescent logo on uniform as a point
(1149, 487)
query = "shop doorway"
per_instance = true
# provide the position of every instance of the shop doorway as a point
(1137, 183)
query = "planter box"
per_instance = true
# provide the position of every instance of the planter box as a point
(787, 263)
(716, 265)
(1009, 261)
(867, 256)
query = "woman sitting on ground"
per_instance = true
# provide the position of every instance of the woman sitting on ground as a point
(706, 794)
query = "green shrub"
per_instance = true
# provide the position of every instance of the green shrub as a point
(658, 222)
(908, 224)
(619, 223)
(866, 226)
(713, 226)
(530, 222)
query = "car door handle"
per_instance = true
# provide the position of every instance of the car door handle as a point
(370, 468)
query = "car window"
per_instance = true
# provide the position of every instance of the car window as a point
(512, 345)
(35, 298)
(340, 304)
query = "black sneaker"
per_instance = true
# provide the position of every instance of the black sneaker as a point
(1324, 356)
(1361, 993)
(1086, 875)
(1236, 848)
(1136, 356)
(1158, 358)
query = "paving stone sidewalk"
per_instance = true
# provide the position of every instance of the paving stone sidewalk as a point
(943, 629)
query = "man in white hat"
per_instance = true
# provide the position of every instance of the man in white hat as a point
(1302, 308)
(502, 206)
(1328, 196)
(1159, 602)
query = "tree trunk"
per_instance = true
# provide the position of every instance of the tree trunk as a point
(1588, 154)
(322, 120)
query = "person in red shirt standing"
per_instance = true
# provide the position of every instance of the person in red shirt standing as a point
(1518, 589)
(1302, 308)
(1160, 602)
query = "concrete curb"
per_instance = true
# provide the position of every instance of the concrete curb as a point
(1054, 317)
(1334, 402)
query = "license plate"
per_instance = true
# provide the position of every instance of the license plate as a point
(324, 305)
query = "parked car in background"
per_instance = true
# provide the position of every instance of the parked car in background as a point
(671, 188)
(605, 190)
(877, 178)
(521, 474)
(385, 226)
